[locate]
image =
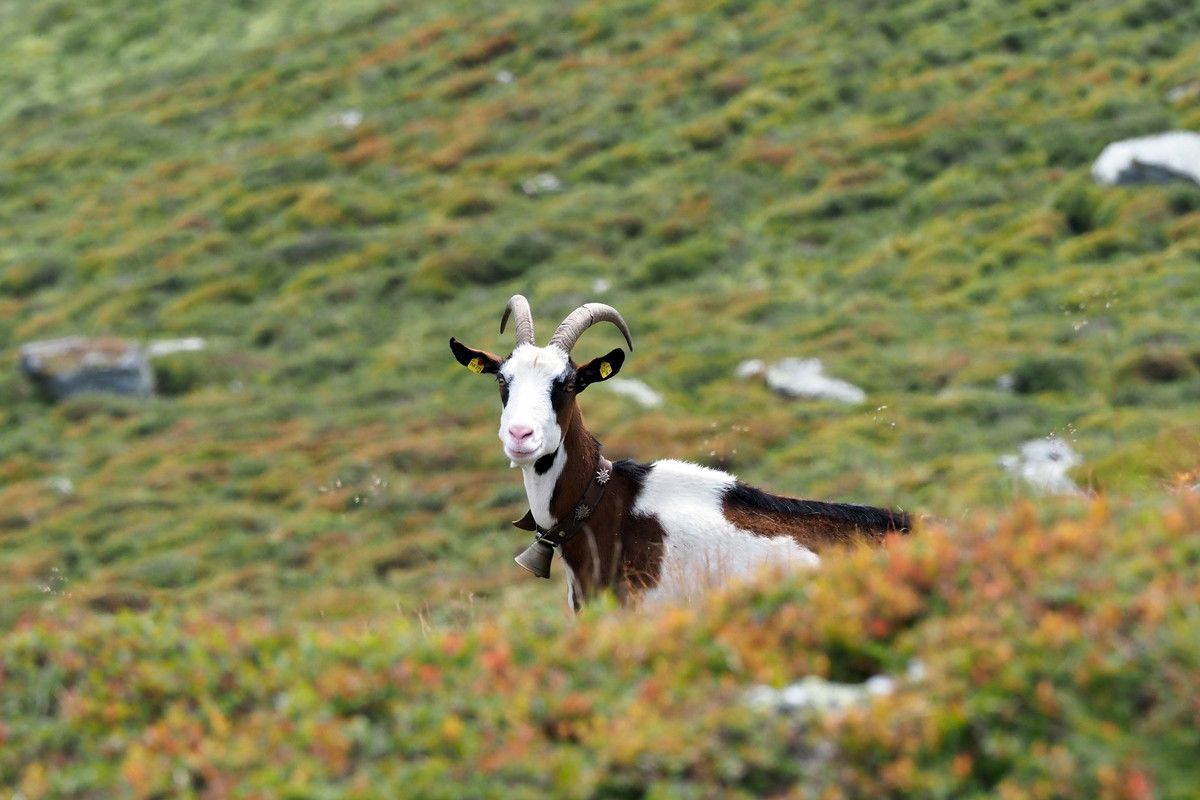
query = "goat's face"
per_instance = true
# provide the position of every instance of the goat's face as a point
(538, 386)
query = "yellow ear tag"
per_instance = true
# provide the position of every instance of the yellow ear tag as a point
(605, 369)
(476, 365)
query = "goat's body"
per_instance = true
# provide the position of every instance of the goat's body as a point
(664, 531)
(668, 531)
(702, 547)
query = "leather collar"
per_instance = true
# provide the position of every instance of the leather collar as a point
(566, 529)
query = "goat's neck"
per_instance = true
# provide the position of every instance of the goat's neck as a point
(555, 490)
(554, 494)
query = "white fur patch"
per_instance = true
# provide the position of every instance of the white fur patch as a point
(572, 584)
(530, 374)
(702, 548)
(540, 488)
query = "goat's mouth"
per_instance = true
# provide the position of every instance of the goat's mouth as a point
(522, 455)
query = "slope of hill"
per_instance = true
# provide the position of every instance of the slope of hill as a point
(326, 194)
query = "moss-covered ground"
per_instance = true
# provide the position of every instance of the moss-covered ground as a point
(290, 574)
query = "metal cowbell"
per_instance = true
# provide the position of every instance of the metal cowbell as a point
(536, 558)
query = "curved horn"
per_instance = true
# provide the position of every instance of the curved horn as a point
(585, 317)
(519, 306)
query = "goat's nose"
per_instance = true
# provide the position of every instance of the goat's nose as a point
(519, 433)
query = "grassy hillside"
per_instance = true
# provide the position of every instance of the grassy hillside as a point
(327, 193)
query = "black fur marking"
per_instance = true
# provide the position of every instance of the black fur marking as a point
(487, 362)
(866, 517)
(543, 464)
(559, 390)
(590, 373)
(636, 474)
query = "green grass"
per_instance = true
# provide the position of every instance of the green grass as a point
(899, 189)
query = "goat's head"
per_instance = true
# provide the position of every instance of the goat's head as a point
(538, 385)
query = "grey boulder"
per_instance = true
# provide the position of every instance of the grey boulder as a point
(61, 368)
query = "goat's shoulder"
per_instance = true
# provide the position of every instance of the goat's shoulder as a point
(669, 485)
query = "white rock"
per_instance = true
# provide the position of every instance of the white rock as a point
(804, 377)
(880, 685)
(1150, 159)
(636, 390)
(166, 347)
(542, 184)
(818, 694)
(1183, 91)
(1043, 464)
(346, 119)
(753, 368)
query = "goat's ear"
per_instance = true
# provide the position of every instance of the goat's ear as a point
(599, 369)
(475, 360)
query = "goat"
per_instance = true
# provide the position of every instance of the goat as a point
(665, 530)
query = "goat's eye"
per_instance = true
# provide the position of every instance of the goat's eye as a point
(500, 380)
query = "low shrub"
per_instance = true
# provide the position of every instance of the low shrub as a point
(171, 570)
(1084, 206)
(1050, 374)
(1156, 365)
(677, 263)
(442, 274)
(178, 373)
(33, 274)
(839, 196)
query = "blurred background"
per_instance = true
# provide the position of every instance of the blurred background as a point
(265, 219)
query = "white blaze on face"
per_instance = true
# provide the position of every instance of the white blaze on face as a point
(529, 427)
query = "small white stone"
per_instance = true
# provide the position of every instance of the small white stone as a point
(166, 347)
(753, 368)
(816, 694)
(349, 120)
(635, 390)
(1183, 91)
(542, 183)
(880, 685)
(804, 377)
(1044, 464)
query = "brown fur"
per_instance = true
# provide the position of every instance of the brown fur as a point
(817, 533)
(615, 549)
